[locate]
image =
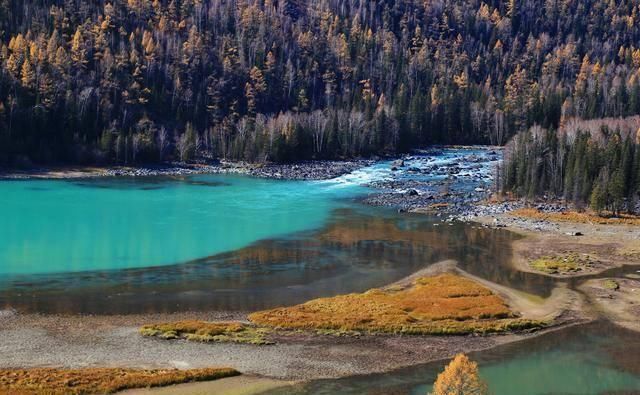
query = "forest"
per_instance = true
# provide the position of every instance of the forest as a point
(130, 81)
(592, 164)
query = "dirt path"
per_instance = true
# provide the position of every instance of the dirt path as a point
(239, 385)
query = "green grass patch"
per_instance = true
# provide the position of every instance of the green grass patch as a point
(563, 264)
(221, 332)
(611, 284)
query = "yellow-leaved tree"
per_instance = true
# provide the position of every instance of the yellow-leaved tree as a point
(460, 377)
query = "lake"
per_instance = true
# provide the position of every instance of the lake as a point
(229, 242)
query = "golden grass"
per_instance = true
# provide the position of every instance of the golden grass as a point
(574, 216)
(233, 332)
(51, 381)
(443, 304)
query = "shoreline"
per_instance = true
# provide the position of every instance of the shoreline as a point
(114, 340)
(307, 170)
(34, 340)
(95, 340)
(609, 246)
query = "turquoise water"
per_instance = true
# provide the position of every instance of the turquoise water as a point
(585, 360)
(104, 224)
(220, 242)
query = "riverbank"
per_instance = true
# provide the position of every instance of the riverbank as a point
(601, 260)
(114, 341)
(308, 170)
(567, 249)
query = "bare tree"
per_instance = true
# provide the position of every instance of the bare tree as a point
(162, 141)
(135, 145)
(498, 128)
(318, 126)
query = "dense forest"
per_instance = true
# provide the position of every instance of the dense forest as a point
(125, 81)
(588, 163)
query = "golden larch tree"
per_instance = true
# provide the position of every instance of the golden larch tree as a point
(460, 377)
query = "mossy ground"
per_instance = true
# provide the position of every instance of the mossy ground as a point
(443, 304)
(562, 264)
(611, 284)
(233, 332)
(51, 381)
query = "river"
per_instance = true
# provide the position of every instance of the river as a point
(228, 242)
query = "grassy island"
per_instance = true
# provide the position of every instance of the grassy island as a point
(443, 304)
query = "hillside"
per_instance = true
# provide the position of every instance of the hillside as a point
(92, 81)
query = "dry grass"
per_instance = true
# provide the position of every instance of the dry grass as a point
(233, 332)
(574, 216)
(444, 304)
(51, 381)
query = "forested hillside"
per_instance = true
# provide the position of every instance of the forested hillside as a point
(134, 80)
(589, 163)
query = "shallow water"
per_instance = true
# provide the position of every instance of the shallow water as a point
(356, 249)
(584, 360)
(162, 244)
(118, 223)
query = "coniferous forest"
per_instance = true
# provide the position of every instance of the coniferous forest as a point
(129, 81)
(592, 164)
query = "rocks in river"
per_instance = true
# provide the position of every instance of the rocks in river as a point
(310, 170)
(412, 192)
(397, 163)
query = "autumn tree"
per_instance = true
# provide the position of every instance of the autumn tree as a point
(460, 377)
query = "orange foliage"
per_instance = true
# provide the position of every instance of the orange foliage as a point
(460, 377)
(98, 380)
(444, 304)
(573, 216)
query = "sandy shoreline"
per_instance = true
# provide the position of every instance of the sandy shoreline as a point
(113, 341)
(610, 246)
(34, 340)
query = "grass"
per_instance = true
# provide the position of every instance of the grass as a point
(443, 304)
(574, 216)
(611, 284)
(233, 332)
(52, 381)
(568, 263)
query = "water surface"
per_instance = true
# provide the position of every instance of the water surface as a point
(590, 359)
(61, 226)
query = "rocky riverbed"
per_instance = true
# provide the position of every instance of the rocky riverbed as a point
(309, 170)
(443, 180)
